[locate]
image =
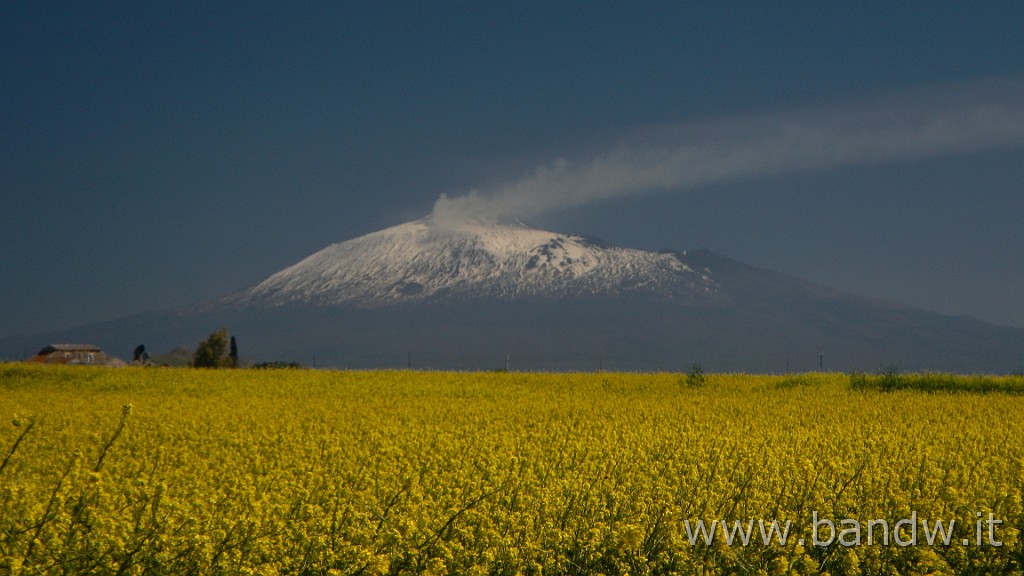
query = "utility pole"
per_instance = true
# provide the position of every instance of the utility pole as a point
(506, 361)
(821, 361)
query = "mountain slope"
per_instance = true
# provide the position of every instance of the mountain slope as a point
(469, 295)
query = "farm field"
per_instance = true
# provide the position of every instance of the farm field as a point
(183, 471)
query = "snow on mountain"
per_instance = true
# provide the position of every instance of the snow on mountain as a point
(443, 259)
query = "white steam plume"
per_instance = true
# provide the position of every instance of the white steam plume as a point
(924, 124)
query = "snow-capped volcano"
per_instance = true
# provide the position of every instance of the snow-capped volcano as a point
(435, 259)
(555, 301)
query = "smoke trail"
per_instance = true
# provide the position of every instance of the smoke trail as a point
(927, 123)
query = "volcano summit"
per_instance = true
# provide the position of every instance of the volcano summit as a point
(470, 260)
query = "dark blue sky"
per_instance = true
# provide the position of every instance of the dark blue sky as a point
(156, 154)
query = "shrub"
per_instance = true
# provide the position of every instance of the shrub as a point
(696, 378)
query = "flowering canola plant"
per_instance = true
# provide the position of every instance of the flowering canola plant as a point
(153, 471)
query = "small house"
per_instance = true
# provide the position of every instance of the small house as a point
(75, 354)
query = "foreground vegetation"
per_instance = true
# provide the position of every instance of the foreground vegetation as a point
(137, 471)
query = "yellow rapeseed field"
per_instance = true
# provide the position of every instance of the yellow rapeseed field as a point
(181, 471)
